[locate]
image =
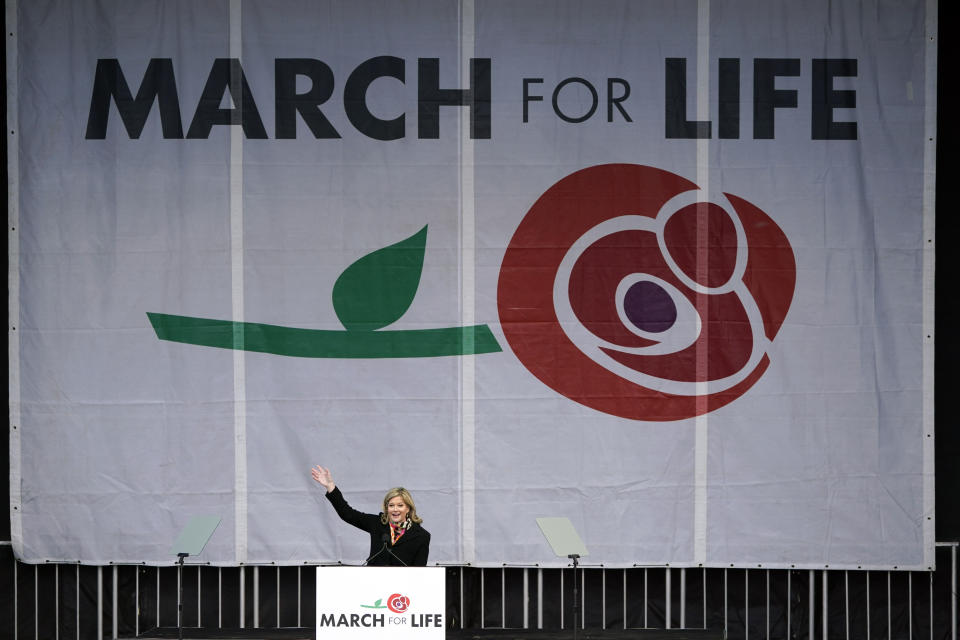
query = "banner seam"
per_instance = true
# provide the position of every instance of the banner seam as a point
(13, 280)
(928, 240)
(703, 177)
(236, 265)
(467, 299)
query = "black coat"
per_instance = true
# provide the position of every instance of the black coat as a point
(411, 549)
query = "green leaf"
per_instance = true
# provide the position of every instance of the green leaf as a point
(377, 289)
(377, 603)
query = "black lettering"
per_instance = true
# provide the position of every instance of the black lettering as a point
(529, 98)
(430, 97)
(226, 74)
(355, 98)
(675, 104)
(593, 104)
(728, 98)
(825, 99)
(158, 85)
(326, 620)
(615, 101)
(288, 103)
(766, 97)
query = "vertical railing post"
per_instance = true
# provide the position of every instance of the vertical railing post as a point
(703, 580)
(666, 581)
(683, 598)
(746, 604)
(56, 608)
(726, 629)
(115, 604)
(36, 600)
(526, 598)
(846, 603)
(503, 597)
(539, 599)
(603, 598)
(99, 601)
(767, 607)
(256, 597)
(910, 605)
(823, 597)
(199, 601)
(243, 599)
(645, 603)
(483, 598)
(789, 602)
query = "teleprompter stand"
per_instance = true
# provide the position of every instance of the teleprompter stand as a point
(190, 542)
(565, 542)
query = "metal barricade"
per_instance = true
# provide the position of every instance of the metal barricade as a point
(65, 601)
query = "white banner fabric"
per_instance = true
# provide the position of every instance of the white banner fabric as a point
(663, 268)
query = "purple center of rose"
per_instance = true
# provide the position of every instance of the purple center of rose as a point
(649, 307)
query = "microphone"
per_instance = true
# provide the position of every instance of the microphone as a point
(391, 552)
(383, 538)
(397, 558)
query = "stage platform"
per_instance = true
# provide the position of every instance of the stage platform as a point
(165, 633)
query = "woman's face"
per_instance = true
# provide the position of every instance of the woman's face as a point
(397, 510)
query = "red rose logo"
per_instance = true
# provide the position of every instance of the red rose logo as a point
(626, 289)
(398, 603)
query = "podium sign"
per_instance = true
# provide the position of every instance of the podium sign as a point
(384, 603)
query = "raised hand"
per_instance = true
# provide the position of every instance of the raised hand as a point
(323, 476)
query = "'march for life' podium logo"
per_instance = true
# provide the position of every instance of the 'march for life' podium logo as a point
(627, 289)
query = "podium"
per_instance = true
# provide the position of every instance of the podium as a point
(381, 603)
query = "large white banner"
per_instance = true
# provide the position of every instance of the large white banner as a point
(664, 268)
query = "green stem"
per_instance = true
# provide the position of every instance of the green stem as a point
(320, 343)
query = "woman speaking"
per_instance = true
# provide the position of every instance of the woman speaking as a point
(396, 537)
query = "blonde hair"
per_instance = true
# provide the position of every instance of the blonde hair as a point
(407, 499)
